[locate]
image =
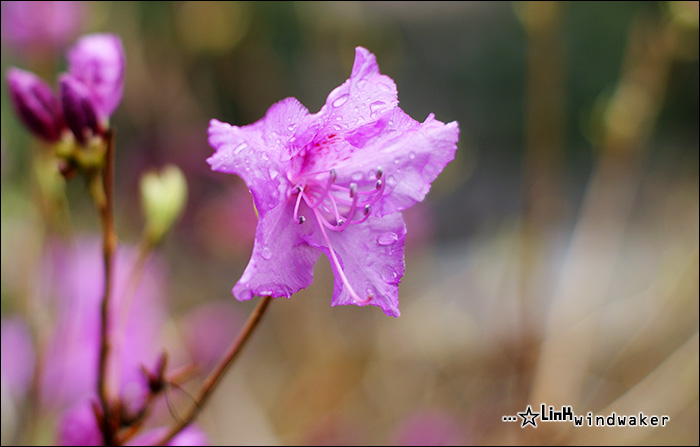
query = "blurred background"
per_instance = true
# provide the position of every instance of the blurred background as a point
(554, 261)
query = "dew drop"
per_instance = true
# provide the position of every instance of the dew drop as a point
(391, 180)
(390, 123)
(340, 101)
(389, 275)
(273, 174)
(376, 107)
(357, 176)
(339, 118)
(266, 252)
(245, 294)
(291, 127)
(387, 239)
(411, 155)
(370, 292)
(239, 148)
(265, 156)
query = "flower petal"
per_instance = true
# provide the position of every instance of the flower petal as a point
(256, 152)
(361, 99)
(411, 155)
(371, 255)
(281, 263)
(97, 60)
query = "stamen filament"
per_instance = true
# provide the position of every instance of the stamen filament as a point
(335, 261)
(329, 183)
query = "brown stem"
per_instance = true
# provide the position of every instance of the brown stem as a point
(106, 207)
(215, 376)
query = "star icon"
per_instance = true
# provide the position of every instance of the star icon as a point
(528, 417)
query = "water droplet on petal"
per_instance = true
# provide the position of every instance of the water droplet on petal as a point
(239, 148)
(411, 155)
(265, 156)
(266, 252)
(376, 107)
(391, 180)
(273, 174)
(245, 294)
(357, 176)
(387, 239)
(370, 292)
(340, 101)
(389, 275)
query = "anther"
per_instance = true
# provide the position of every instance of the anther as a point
(379, 184)
(297, 189)
(333, 174)
(353, 189)
(341, 222)
(380, 172)
(367, 209)
(301, 219)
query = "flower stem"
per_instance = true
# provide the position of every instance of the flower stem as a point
(105, 205)
(215, 376)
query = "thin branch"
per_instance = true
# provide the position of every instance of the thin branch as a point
(106, 209)
(215, 376)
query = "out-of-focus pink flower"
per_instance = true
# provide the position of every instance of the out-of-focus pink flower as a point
(35, 104)
(17, 352)
(40, 27)
(429, 427)
(98, 61)
(69, 372)
(334, 182)
(78, 426)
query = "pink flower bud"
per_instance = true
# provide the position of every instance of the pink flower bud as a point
(35, 104)
(78, 108)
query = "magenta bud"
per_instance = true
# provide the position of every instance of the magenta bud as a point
(78, 108)
(35, 104)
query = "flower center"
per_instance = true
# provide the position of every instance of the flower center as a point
(335, 207)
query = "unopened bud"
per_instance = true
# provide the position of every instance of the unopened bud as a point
(78, 108)
(163, 197)
(36, 105)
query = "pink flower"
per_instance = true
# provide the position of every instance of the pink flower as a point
(41, 27)
(76, 279)
(90, 91)
(334, 182)
(17, 360)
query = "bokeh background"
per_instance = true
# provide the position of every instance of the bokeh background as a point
(554, 261)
